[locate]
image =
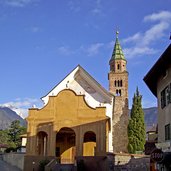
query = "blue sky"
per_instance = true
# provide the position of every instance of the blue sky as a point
(41, 41)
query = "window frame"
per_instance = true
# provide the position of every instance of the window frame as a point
(167, 132)
(165, 94)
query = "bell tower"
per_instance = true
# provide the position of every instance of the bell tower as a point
(118, 75)
(118, 86)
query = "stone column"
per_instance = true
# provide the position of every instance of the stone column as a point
(51, 142)
(79, 142)
(101, 139)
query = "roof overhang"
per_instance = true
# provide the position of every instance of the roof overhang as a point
(79, 71)
(157, 70)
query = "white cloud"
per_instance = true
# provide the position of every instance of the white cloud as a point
(96, 11)
(136, 37)
(93, 49)
(94, 7)
(65, 50)
(139, 44)
(21, 106)
(162, 16)
(142, 41)
(17, 3)
(35, 29)
(90, 50)
(97, 7)
(138, 51)
(155, 32)
(73, 6)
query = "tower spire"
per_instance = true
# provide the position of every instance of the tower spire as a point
(117, 51)
(117, 61)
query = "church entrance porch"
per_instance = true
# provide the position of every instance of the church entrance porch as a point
(65, 145)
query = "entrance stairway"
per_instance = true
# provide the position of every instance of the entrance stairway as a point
(64, 167)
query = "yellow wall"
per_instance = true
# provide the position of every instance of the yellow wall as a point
(89, 149)
(66, 110)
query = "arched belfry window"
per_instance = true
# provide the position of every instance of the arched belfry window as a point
(115, 83)
(118, 84)
(118, 66)
(121, 83)
(119, 92)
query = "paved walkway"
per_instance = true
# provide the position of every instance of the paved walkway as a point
(7, 167)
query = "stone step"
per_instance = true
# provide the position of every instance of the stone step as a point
(63, 167)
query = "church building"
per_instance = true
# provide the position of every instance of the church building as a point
(80, 117)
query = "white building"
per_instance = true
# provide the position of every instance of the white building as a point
(158, 79)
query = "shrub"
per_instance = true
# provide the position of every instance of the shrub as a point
(42, 164)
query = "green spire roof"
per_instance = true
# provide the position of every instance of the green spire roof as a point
(117, 51)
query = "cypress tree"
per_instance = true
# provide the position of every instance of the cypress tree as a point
(136, 126)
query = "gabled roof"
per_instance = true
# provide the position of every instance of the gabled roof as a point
(78, 73)
(157, 70)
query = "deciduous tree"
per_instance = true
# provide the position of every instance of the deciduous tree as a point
(14, 133)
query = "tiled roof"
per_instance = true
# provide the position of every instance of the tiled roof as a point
(117, 51)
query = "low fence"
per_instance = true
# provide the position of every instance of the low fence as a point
(15, 159)
(116, 162)
(131, 162)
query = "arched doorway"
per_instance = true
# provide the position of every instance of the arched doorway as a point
(42, 139)
(65, 145)
(89, 145)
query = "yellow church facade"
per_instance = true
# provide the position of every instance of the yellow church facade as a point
(73, 122)
(65, 123)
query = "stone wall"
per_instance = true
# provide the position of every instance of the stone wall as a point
(120, 124)
(15, 159)
(131, 162)
(33, 162)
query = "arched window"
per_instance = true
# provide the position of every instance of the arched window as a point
(118, 66)
(42, 139)
(118, 84)
(65, 145)
(119, 92)
(89, 146)
(121, 83)
(115, 83)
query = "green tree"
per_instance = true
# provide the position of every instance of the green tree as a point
(4, 137)
(136, 126)
(14, 133)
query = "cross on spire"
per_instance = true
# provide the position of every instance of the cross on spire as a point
(117, 32)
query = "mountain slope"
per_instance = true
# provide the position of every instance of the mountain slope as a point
(7, 116)
(150, 117)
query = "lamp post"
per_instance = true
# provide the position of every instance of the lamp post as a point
(33, 165)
